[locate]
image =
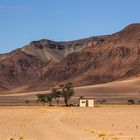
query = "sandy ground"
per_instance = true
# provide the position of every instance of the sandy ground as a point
(74, 123)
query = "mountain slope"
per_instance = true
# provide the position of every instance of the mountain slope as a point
(44, 64)
(114, 57)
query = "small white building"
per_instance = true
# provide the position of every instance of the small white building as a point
(87, 102)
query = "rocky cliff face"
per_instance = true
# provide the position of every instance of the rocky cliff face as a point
(44, 64)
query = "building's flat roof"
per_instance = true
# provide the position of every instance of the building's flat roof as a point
(87, 98)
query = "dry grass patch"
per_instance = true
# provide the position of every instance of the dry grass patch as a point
(16, 138)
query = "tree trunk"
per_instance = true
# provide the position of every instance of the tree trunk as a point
(50, 103)
(58, 102)
(66, 102)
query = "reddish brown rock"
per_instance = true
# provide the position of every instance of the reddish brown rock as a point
(44, 64)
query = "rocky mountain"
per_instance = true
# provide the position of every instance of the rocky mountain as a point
(45, 63)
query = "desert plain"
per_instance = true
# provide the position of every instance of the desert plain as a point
(103, 122)
(114, 120)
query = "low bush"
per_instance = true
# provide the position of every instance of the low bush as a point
(131, 101)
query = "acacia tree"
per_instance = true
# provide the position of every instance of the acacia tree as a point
(45, 98)
(41, 97)
(56, 95)
(67, 92)
(49, 98)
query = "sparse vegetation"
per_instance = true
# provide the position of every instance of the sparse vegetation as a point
(45, 98)
(49, 98)
(41, 97)
(102, 134)
(20, 138)
(27, 101)
(66, 91)
(131, 101)
(56, 95)
(101, 101)
(81, 97)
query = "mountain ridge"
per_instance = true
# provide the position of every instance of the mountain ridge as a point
(45, 63)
